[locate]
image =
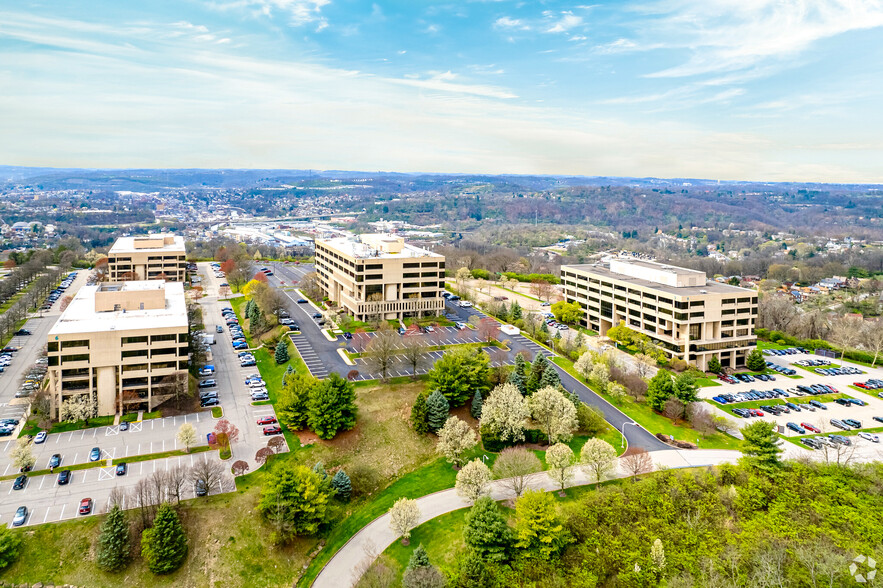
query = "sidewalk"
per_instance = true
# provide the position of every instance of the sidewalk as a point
(347, 565)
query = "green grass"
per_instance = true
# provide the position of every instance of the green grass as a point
(217, 412)
(429, 321)
(657, 423)
(475, 346)
(156, 414)
(31, 427)
(129, 417)
(812, 369)
(796, 438)
(770, 345)
(707, 382)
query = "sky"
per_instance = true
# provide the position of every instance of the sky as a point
(770, 90)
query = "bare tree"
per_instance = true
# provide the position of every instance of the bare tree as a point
(360, 340)
(835, 453)
(176, 479)
(380, 352)
(208, 473)
(637, 462)
(776, 313)
(117, 497)
(644, 365)
(872, 334)
(823, 561)
(846, 332)
(414, 352)
(514, 467)
(488, 329)
(541, 289)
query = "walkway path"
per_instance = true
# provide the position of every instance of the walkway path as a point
(348, 564)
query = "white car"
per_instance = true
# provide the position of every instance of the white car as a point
(41, 436)
(461, 326)
(257, 384)
(464, 304)
(870, 437)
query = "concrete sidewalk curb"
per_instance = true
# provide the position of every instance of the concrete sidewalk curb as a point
(345, 357)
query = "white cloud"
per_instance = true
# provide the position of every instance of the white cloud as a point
(505, 22)
(564, 22)
(298, 12)
(735, 35)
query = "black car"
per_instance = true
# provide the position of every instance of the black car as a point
(64, 477)
(22, 332)
(20, 482)
(853, 423)
(301, 301)
(200, 488)
(878, 419)
(818, 404)
(209, 402)
(122, 468)
(347, 335)
(842, 402)
(317, 315)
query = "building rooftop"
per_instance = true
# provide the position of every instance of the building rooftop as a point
(148, 243)
(376, 246)
(677, 281)
(81, 315)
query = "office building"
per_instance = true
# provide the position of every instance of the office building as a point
(379, 276)
(125, 344)
(687, 315)
(149, 257)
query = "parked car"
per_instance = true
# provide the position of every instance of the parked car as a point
(257, 396)
(209, 402)
(24, 332)
(870, 437)
(810, 427)
(207, 383)
(40, 438)
(796, 428)
(267, 420)
(840, 425)
(200, 488)
(95, 454)
(272, 430)
(207, 370)
(818, 404)
(20, 482)
(21, 515)
(122, 468)
(55, 460)
(85, 506)
(853, 423)
(64, 477)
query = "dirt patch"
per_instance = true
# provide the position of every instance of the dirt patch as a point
(675, 442)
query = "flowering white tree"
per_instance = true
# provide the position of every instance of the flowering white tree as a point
(599, 457)
(78, 408)
(585, 363)
(454, 438)
(472, 480)
(22, 455)
(560, 459)
(504, 413)
(404, 516)
(555, 414)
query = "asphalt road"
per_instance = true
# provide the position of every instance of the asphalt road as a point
(322, 356)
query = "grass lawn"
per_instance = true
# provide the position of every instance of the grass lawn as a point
(217, 412)
(770, 345)
(812, 369)
(657, 423)
(429, 321)
(796, 438)
(707, 382)
(31, 427)
(156, 414)
(517, 293)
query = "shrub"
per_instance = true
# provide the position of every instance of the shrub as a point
(164, 546)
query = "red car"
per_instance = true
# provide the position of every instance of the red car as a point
(756, 412)
(861, 385)
(274, 430)
(86, 506)
(267, 420)
(810, 427)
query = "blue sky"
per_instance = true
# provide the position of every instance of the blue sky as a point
(747, 90)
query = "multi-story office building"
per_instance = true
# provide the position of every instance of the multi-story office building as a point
(689, 316)
(379, 276)
(150, 257)
(124, 343)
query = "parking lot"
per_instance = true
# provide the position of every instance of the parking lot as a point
(815, 417)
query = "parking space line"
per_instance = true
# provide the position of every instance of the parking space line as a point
(61, 516)
(46, 516)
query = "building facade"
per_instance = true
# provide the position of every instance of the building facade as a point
(150, 257)
(378, 276)
(688, 316)
(124, 344)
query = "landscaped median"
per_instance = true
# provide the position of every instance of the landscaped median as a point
(103, 462)
(32, 426)
(477, 346)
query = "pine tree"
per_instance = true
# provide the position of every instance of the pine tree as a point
(248, 306)
(536, 373)
(516, 311)
(437, 408)
(288, 371)
(550, 378)
(477, 403)
(419, 414)
(164, 546)
(281, 355)
(714, 365)
(113, 541)
(419, 558)
(486, 530)
(520, 365)
(342, 485)
(516, 378)
(332, 407)
(319, 470)
(755, 361)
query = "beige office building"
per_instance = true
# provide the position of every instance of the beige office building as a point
(149, 257)
(379, 276)
(689, 316)
(123, 343)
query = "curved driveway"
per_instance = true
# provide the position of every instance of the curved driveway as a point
(348, 564)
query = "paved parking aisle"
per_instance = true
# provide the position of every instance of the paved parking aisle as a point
(310, 357)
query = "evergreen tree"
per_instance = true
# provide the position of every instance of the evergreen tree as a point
(536, 373)
(288, 371)
(419, 414)
(516, 378)
(342, 485)
(477, 403)
(516, 311)
(419, 558)
(437, 408)
(550, 378)
(247, 310)
(281, 355)
(714, 365)
(521, 365)
(659, 389)
(164, 546)
(332, 407)
(292, 404)
(755, 361)
(486, 530)
(760, 446)
(319, 470)
(10, 546)
(113, 541)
